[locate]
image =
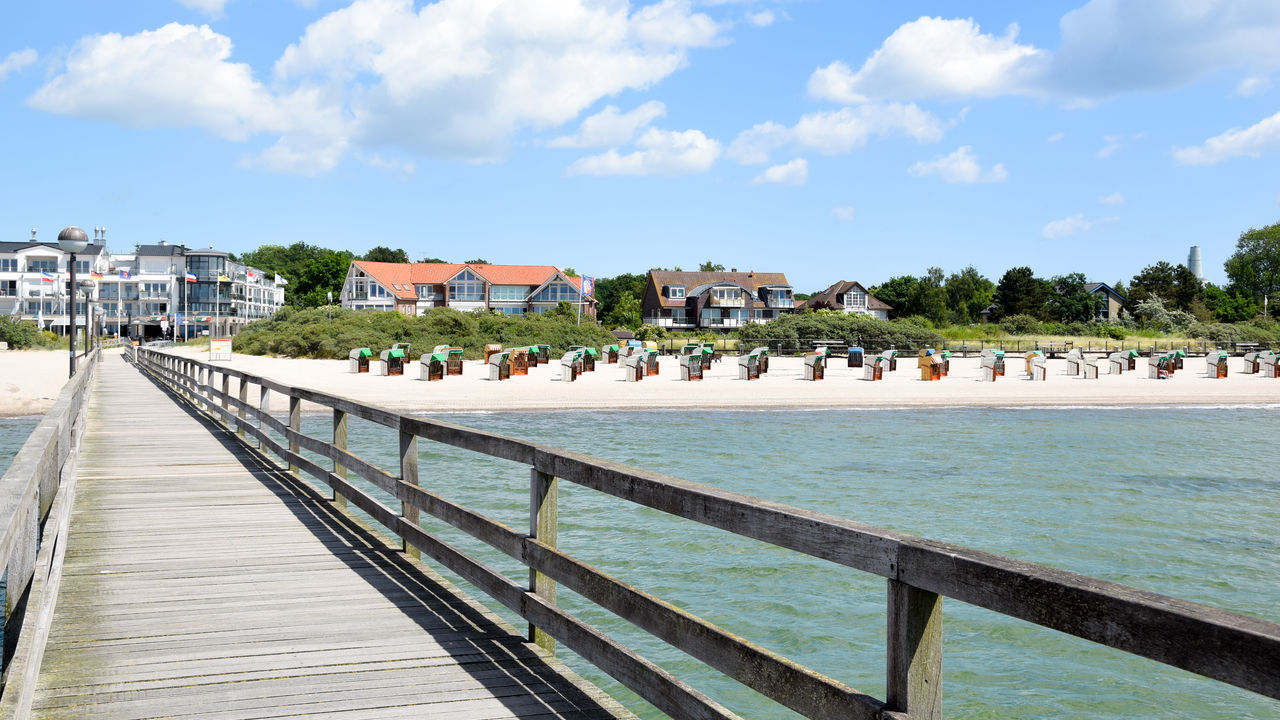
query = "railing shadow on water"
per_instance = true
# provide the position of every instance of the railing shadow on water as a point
(34, 511)
(1232, 648)
(464, 630)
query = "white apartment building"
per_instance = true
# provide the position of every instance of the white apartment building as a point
(144, 294)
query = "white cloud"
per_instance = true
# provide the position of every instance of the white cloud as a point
(212, 8)
(453, 79)
(662, 152)
(1069, 226)
(1112, 199)
(837, 132)
(960, 166)
(1251, 141)
(933, 57)
(402, 167)
(1253, 85)
(1112, 144)
(1107, 47)
(795, 172)
(764, 18)
(16, 60)
(843, 213)
(1055, 137)
(612, 127)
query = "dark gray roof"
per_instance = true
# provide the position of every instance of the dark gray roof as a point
(1094, 287)
(827, 298)
(161, 250)
(13, 247)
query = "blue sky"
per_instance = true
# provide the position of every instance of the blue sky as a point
(825, 139)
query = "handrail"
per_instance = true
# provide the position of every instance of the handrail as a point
(1225, 646)
(28, 490)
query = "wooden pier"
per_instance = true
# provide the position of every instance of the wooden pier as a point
(184, 568)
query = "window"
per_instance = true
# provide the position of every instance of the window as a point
(155, 290)
(675, 292)
(557, 292)
(428, 292)
(42, 265)
(724, 294)
(8, 264)
(510, 310)
(8, 288)
(82, 267)
(508, 293)
(677, 314)
(207, 267)
(466, 287)
(855, 299)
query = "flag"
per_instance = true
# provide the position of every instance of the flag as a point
(588, 285)
(223, 278)
(46, 277)
(252, 276)
(191, 277)
(95, 275)
(280, 280)
(124, 274)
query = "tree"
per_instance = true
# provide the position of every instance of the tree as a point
(610, 290)
(1070, 301)
(311, 271)
(896, 291)
(1254, 268)
(928, 298)
(709, 266)
(476, 262)
(1176, 286)
(382, 253)
(432, 260)
(1228, 307)
(1020, 292)
(570, 272)
(625, 313)
(968, 294)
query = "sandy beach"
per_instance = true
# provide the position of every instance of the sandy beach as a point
(30, 382)
(782, 387)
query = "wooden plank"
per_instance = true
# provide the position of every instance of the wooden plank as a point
(544, 524)
(914, 657)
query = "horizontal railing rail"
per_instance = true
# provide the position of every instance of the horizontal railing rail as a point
(33, 512)
(1229, 647)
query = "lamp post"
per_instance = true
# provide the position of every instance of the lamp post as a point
(72, 240)
(330, 308)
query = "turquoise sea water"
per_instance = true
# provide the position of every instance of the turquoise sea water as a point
(1179, 501)
(13, 433)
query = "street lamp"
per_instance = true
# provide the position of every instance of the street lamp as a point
(73, 240)
(330, 308)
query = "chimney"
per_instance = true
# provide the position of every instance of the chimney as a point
(163, 243)
(33, 234)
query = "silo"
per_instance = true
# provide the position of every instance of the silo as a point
(1194, 264)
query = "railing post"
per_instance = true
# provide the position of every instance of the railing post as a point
(244, 399)
(914, 679)
(409, 475)
(339, 442)
(544, 495)
(226, 390)
(295, 424)
(264, 407)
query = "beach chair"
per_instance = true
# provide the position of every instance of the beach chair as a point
(490, 350)
(763, 354)
(358, 360)
(1251, 363)
(930, 365)
(855, 356)
(1269, 364)
(996, 362)
(634, 366)
(945, 356)
(814, 365)
(1090, 368)
(500, 365)
(1117, 362)
(709, 354)
(570, 364)
(650, 356)
(890, 359)
(393, 360)
(1038, 369)
(1158, 366)
(1030, 357)
(609, 353)
(1075, 361)
(749, 366)
(519, 361)
(691, 366)
(431, 366)
(1217, 364)
(873, 369)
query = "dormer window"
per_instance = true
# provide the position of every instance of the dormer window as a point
(675, 292)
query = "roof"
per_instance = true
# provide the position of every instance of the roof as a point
(827, 298)
(406, 275)
(751, 280)
(1094, 287)
(162, 250)
(14, 247)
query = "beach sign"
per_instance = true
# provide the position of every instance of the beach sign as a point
(220, 349)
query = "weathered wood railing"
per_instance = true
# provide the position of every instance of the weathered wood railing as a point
(34, 509)
(1225, 646)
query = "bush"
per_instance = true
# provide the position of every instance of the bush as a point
(851, 329)
(1217, 332)
(308, 333)
(651, 332)
(23, 334)
(1022, 325)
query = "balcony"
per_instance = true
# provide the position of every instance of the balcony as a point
(735, 302)
(781, 303)
(723, 323)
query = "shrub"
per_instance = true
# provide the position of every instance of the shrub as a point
(1217, 332)
(21, 334)
(1021, 325)
(852, 329)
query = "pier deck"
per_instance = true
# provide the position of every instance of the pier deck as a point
(201, 581)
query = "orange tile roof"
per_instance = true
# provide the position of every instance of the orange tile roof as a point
(406, 275)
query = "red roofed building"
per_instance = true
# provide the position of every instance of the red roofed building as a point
(414, 288)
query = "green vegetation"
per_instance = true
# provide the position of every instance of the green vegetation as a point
(307, 333)
(25, 335)
(852, 329)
